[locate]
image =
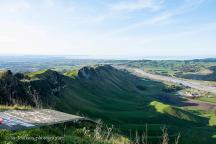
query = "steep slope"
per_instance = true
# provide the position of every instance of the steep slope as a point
(13, 91)
(89, 88)
(48, 84)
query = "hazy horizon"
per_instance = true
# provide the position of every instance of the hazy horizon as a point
(109, 57)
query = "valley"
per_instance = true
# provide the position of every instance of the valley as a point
(188, 83)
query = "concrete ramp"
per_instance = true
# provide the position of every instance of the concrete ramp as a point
(24, 119)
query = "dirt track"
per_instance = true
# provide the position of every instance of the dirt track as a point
(201, 105)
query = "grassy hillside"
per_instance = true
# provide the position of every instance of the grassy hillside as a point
(119, 98)
(206, 77)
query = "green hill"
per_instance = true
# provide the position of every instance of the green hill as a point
(99, 92)
(117, 97)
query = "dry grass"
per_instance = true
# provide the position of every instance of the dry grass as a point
(105, 134)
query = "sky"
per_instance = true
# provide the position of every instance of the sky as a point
(108, 28)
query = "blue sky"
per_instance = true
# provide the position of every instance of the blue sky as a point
(109, 28)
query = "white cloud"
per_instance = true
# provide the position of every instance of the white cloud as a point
(137, 5)
(153, 21)
(162, 17)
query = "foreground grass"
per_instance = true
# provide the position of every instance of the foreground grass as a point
(87, 134)
(80, 133)
(59, 134)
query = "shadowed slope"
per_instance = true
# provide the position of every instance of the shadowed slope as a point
(108, 93)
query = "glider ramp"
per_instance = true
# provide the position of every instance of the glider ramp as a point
(24, 119)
